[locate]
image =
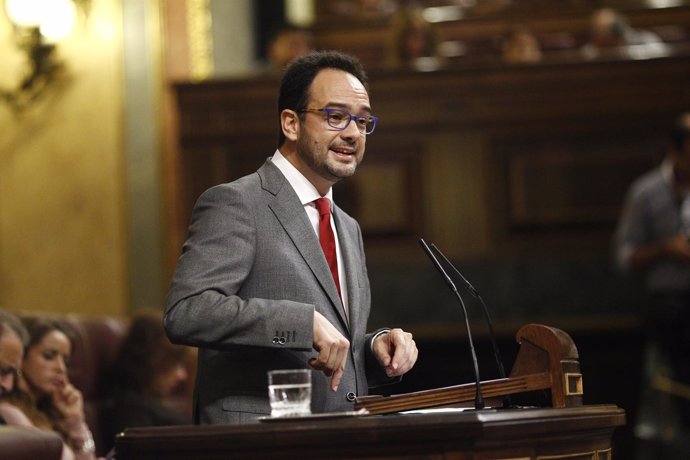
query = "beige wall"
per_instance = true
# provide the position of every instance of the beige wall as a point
(62, 206)
(88, 176)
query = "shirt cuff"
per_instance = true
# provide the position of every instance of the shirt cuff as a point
(385, 330)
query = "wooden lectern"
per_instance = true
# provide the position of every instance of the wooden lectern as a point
(547, 360)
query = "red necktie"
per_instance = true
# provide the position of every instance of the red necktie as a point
(327, 239)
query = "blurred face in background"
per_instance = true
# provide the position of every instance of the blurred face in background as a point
(46, 363)
(11, 353)
(170, 380)
(607, 28)
(289, 45)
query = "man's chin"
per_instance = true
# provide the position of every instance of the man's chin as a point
(340, 174)
(342, 171)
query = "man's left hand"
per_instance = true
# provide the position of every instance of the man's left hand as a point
(396, 351)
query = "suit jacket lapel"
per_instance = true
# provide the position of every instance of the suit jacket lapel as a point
(290, 212)
(350, 253)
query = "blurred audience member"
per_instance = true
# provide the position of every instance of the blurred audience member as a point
(148, 373)
(44, 397)
(521, 46)
(413, 42)
(609, 30)
(287, 44)
(13, 337)
(653, 239)
(376, 8)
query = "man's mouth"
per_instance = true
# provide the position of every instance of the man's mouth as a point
(346, 151)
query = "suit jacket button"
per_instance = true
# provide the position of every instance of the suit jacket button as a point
(351, 396)
(282, 340)
(276, 340)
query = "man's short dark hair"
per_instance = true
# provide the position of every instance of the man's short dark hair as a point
(296, 82)
(680, 132)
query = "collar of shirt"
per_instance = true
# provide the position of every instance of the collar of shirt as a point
(682, 191)
(305, 190)
(667, 171)
(307, 193)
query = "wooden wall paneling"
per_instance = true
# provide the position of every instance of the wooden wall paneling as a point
(500, 128)
(456, 192)
(385, 192)
(211, 110)
(571, 182)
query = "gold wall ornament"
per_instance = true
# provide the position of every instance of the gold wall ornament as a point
(38, 27)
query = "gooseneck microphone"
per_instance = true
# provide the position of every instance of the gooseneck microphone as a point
(473, 291)
(478, 399)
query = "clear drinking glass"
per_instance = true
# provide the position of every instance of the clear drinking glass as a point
(289, 391)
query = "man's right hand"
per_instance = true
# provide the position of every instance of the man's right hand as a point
(333, 349)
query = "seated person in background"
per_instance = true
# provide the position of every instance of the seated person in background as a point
(288, 43)
(44, 397)
(608, 29)
(413, 42)
(148, 372)
(521, 46)
(13, 337)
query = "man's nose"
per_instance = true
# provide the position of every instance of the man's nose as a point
(351, 131)
(6, 384)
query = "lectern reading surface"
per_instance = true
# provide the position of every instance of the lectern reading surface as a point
(547, 360)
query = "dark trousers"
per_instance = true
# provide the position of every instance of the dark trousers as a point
(669, 328)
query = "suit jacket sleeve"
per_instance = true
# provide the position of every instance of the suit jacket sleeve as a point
(204, 307)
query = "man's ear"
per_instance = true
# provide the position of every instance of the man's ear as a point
(290, 124)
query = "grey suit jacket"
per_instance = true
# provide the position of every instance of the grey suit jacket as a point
(245, 289)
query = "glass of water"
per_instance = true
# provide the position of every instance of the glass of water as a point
(289, 391)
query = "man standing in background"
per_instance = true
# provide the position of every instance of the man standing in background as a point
(653, 238)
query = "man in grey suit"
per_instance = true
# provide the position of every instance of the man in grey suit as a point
(253, 288)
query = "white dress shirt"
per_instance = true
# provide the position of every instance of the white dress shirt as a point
(307, 193)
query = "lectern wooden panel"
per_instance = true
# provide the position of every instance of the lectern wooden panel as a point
(575, 433)
(548, 359)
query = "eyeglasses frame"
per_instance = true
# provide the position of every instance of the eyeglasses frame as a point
(328, 110)
(7, 369)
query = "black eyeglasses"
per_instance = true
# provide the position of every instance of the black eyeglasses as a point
(340, 119)
(8, 369)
